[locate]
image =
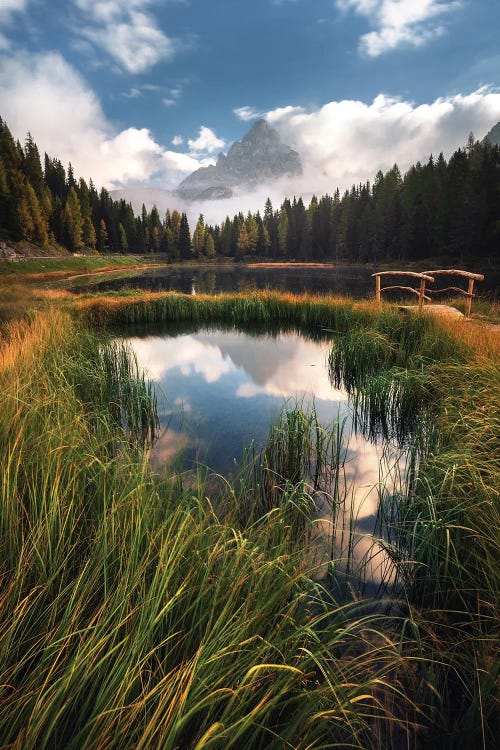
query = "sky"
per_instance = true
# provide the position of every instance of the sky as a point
(142, 92)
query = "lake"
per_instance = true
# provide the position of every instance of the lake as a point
(220, 391)
(352, 281)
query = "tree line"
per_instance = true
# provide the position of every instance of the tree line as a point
(440, 208)
(49, 205)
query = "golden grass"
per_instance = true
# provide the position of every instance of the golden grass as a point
(481, 338)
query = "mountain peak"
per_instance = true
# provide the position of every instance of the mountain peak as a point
(259, 156)
(494, 135)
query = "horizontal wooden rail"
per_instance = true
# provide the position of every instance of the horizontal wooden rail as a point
(453, 272)
(406, 289)
(472, 277)
(412, 274)
(451, 289)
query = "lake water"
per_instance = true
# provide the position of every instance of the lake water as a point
(353, 281)
(219, 391)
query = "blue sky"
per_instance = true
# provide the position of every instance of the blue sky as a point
(142, 91)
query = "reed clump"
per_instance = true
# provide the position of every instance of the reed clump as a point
(441, 395)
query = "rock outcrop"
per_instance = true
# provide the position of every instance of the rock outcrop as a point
(259, 157)
(494, 135)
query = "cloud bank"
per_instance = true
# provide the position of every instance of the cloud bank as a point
(341, 143)
(42, 93)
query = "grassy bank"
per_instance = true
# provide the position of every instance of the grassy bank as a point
(140, 613)
(71, 264)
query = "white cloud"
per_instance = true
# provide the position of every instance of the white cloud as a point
(247, 113)
(126, 31)
(207, 142)
(177, 140)
(347, 142)
(42, 93)
(172, 96)
(399, 23)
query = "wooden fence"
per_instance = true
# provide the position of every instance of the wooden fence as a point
(428, 276)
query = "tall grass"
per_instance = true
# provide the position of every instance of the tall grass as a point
(134, 615)
(139, 613)
(445, 530)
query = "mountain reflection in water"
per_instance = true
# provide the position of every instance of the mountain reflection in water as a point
(220, 391)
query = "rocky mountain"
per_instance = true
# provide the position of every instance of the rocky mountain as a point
(259, 156)
(494, 135)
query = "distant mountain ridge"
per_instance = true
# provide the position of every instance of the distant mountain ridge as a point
(494, 135)
(259, 156)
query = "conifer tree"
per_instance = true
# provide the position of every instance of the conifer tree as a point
(243, 242)
(102, 237)
(209, 245)
(184, 238)
(253, 233)
(73, 222)
(283, 234)
(199, 236)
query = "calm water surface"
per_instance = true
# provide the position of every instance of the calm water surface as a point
(220, 391)
(353, 281)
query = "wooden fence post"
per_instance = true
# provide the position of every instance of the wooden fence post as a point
(421, 294)
(469, 298)
(378, 296)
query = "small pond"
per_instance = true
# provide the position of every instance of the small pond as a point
(220, 391)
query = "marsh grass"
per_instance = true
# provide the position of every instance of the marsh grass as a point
(138, 612)
(441, 389)
(138, 615)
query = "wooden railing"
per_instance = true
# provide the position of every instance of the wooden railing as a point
(472, 277)
(419, 292)
(428, 276)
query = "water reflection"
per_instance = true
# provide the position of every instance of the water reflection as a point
(354, 281)
(221, 390)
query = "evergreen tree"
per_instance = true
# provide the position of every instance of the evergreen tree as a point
(227, 238)
(209, 246)
(123, 239)
(73, 222)
(253, 233)
(199, 237)
(102, 237)
(283, 234)
(243, 241)
(184, 238)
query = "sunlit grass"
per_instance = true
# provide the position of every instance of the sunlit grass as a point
(137, 612)
(137, 615)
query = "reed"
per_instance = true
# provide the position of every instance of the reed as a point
(440, 395)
